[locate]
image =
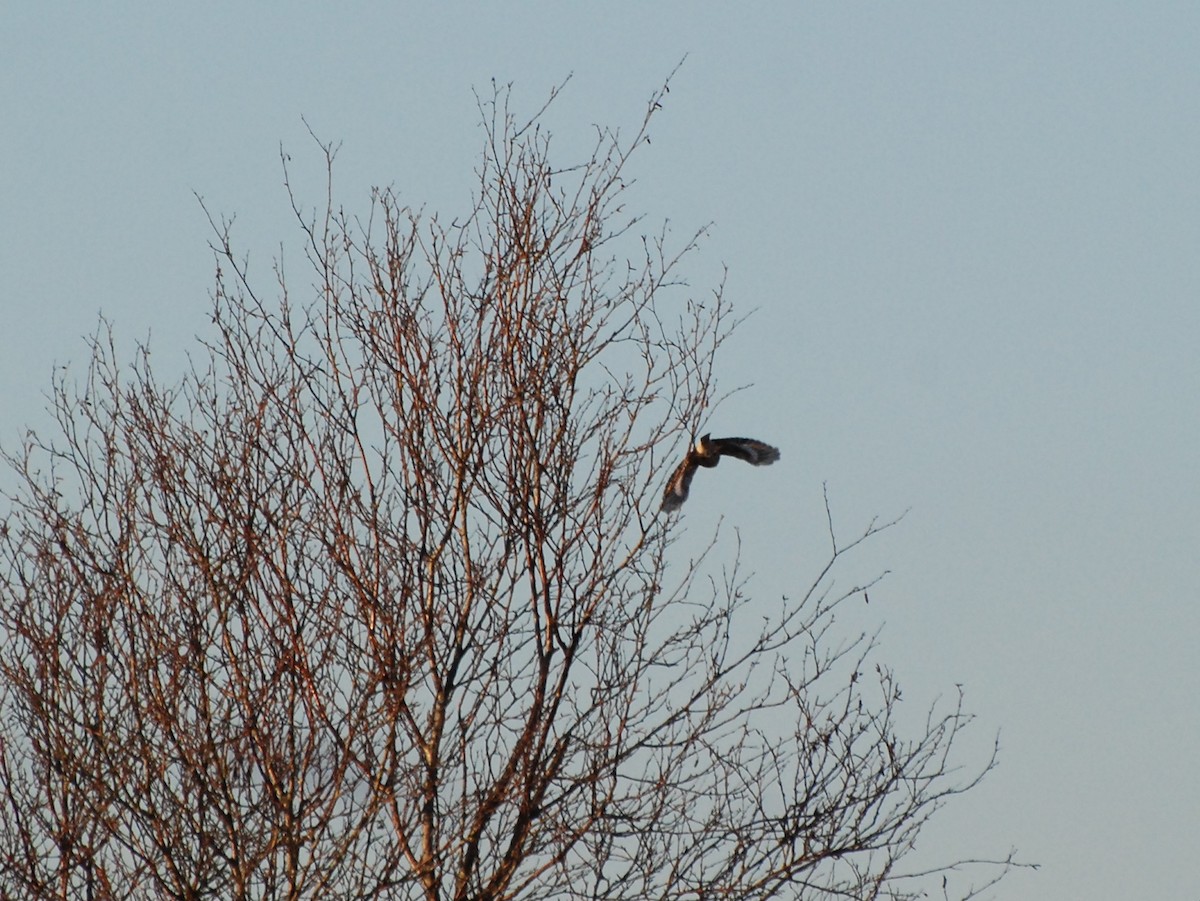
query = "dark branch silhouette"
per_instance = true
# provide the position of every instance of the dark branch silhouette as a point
(373, 601)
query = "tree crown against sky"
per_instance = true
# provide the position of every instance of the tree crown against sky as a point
(377, 600)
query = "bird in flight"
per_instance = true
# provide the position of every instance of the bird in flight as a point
(708, 452)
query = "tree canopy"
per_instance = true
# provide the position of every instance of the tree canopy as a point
(376, 600)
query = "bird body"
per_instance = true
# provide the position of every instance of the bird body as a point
(708, 452)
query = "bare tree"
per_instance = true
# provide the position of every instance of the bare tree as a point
(376, 600)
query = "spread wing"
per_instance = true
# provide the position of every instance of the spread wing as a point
(681, 481)
(708, 452)
(749, 449)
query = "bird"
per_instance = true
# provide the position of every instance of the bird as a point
(708, 452)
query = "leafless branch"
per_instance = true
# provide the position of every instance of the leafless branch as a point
(376, 600)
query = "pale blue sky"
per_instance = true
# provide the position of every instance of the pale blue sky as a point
(971, 234)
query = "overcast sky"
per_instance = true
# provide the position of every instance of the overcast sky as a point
(970, 232)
